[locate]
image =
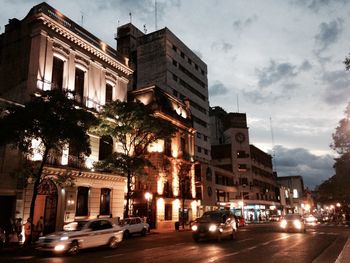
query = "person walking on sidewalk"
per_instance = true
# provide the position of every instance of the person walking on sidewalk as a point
(40, 227)
(28, 231)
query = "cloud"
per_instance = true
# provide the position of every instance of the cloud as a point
(299, 161)
(239, 25)
(305, 66)
(221, 46)
(317, 5)
(328, 34)
(275, 72)
(261, 97)
(218, 88)
(337, 87)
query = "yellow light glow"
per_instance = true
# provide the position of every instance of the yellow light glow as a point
(36, 148)
(194, 208)
(175, 153)
(65, 152)
(89, 163)
(307, 207)
(160, 208)
(156, 146)
(175, 180)
(338, 205)
(148, 196)
(240, 203)
(160, 183)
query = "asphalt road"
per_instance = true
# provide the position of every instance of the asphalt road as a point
(255, 243)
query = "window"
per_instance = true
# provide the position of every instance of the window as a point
(106, 147)
(82, 201)
(199, 135)
(174, 48)
(243, 181)
(205, 151)
(242, 167)
(174, 77)
(241, 154)
(175, 63)
(189, 61)
(199, 149)
(105, 201)
(205, 138)
(168, 213)
(79, 85)
(183, 144)
(57, 73)
(104, 224)
(196, 66)
(167, 147)
(182, 55)
(295, 193)
(109, 93)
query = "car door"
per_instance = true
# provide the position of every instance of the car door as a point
(106, 232)
(93, 238)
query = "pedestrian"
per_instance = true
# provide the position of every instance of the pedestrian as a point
(18, 229)
(39, 228)
(251, 217)
(28, 231)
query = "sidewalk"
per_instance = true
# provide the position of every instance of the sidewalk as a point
(344, 255)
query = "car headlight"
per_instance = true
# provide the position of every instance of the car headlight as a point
(64, 238)
(297, 224)
(194, 228)
(283, 223)
(59, 248)
(212, 228)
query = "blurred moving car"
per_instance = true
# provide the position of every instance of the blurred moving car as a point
(310, 220)
(293, 222)
(80, 235)
(275, 218)
(133, 225)
(214, 225)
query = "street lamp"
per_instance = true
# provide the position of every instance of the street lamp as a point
(148, 197)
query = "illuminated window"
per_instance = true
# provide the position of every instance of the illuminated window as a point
(295, 193)
(168, 213)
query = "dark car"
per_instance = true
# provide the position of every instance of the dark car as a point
(214, 225)
(293, 222)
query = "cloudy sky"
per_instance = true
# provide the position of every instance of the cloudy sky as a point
(281, 60)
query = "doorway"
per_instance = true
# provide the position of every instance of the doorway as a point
(46, 205)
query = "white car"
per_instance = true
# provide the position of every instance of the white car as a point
(133, 225)
(82, 234)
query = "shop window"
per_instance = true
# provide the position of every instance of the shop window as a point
(106, 147)
(109, 93)
(82, 201)
(79, 85)
(105, 201)
(57, 73)
(168, 213)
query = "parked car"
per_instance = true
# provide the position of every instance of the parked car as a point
(292, 222)
(133, 225)
(214, 225)
(310, 219)
(80, 235)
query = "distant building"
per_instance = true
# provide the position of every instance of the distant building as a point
(257, 192)
(44, 51)
(296, 185)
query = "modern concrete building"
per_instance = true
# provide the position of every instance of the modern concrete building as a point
(44, 51)
(251, 170)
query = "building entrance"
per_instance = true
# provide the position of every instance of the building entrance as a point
(46, 205)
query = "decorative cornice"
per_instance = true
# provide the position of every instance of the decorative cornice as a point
(53, 171)
(50, 23)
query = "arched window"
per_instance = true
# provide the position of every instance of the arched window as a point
(106, 147)
(57, 73)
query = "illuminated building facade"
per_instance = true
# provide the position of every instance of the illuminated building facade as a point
(296, 185)
(45, 51)
(168, 193)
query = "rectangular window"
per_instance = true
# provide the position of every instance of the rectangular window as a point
(79, 85)
(205, 151)
(205, 138)
(57, 74)
(175, 63)
(82, 201)
(241, 154)
(199, 149)
(196, 66)
(174, 48)
(109, 93)
(183, 145)
(174, 77)
(168, 213)
(105, 201)
(199, 135)
(189, 61)
(182, 55)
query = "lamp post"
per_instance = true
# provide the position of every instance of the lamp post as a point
(148, 197)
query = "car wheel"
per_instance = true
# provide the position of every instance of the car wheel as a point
(73, 248)
(126, 235)
(113, 243)
(143, 232)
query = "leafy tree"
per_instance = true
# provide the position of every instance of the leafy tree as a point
(134, 126)
(53, 120)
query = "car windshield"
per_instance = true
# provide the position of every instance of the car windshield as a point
(126, 221)
(212, 217)
(75, 226)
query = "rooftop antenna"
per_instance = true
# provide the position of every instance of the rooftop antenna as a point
(273, 146)
(82, 19)
(130, 15)
(237, 103)
(155, 15)
(144, 29)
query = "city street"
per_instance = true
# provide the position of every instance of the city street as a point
(255, 243)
